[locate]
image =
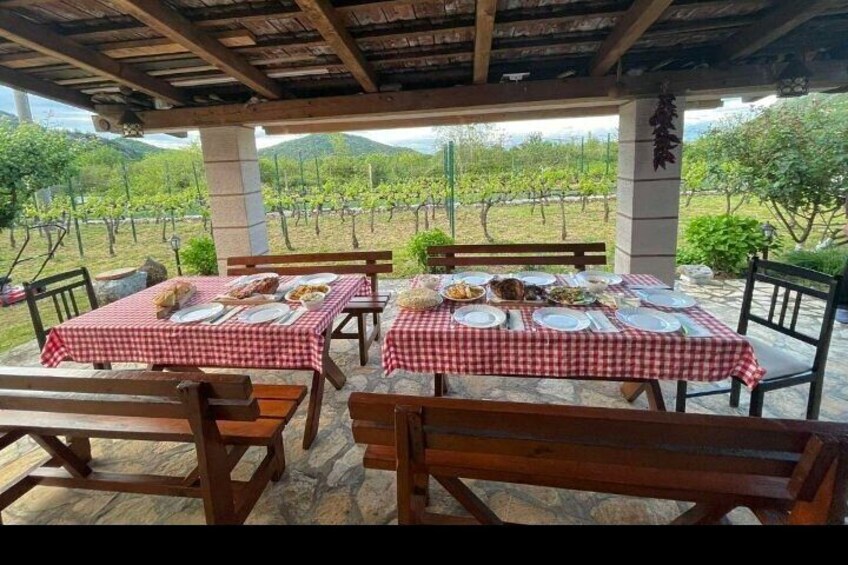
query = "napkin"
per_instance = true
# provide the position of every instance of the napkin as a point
(516, 321)
(606, 327)
(691, 327)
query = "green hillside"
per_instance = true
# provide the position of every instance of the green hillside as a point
(326, 144)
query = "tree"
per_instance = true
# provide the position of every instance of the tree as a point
(794, 156)
(31, 157)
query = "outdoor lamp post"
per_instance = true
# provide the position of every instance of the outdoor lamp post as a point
(769, 232)
(175, 245)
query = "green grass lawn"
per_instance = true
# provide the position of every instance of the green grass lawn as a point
(508, 224)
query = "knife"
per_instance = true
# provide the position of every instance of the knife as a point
(232, 312)
(218, 316)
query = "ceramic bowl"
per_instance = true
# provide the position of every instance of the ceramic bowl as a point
(313, 300)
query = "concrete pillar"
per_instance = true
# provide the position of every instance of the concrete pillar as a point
(235, 192)
(648, 200)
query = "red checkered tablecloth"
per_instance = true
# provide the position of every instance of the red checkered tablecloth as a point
(428, 342)
(128, 331)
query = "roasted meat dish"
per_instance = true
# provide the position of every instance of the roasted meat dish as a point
(266, 285)
(508, 289)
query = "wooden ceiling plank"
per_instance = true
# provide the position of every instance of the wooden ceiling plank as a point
(158, 16)
(491, 98)
(629, 28)
(327, 22)
(785, 17)
(38, 38)
(45, 89)
(483, 32)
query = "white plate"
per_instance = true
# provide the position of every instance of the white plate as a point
(669, 299)
(197, 313)
(562, 319)
(611, 278)
(264, 313)
(474, 278)
(480, 316)
(444, 295)
(248, 279)
(318, 278)
(288, 295)
(648, 320)
(536, 278)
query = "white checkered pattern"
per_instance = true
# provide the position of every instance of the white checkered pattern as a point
(128, 331)
(428, 342)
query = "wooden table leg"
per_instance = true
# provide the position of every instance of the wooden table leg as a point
(441, 385)
(632, 391)
(655, 396)
(313, 414)
(81, 446)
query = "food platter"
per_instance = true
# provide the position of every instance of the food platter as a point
(461, 292)
(569, 296)
(246, 279)
(197, 313)
(419, 300)
(480, 316)
(561, 319)
(294, 294)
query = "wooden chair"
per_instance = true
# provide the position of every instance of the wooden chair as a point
(578, 255)
(55, 288)
(783, 369)
(792, 472)
(223, 415)
(369, 263)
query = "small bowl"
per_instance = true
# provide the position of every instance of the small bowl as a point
(313, 300)
(430, 281)
(596, 285)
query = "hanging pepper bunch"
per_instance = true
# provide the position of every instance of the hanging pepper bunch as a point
(663, 123)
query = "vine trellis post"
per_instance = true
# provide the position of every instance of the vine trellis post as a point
(76, 219)
(129, 203)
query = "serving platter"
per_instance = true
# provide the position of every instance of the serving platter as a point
(444, 294)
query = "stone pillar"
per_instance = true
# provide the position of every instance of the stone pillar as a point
(235, 192)
(648, 200)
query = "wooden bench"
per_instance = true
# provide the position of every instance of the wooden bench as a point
(223, 415)
(578, 255)
(368, 263)
(792, 472)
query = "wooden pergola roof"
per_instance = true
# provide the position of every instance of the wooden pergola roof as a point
(318, 65)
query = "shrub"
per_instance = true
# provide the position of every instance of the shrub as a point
(723, 242)
(829, 261)
(199, 256)
(417, 246)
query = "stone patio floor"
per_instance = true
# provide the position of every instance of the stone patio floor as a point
(327, 484)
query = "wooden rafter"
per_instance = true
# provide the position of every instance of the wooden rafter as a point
(785, 17)
(483, 31)
(629, 28)
(328, 23)
(490, 98)
(45, 89)
(158, 16)
(39, 38)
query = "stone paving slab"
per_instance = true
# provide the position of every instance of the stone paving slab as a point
(327, 485)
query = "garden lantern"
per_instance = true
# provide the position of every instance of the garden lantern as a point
(131, 124)
(794, 80)
(175, 245)
(769, 232)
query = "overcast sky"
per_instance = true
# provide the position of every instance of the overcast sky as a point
(59, 115)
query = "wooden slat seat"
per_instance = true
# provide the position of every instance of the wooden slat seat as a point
(223, 415)
(368, 263)
(577, 255)
(795, 470)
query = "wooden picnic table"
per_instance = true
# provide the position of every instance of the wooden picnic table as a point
(429, 342)
(128, 331)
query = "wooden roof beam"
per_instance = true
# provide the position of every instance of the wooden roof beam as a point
(158, 16)
(632, 25)
(483, 31)
(39, 38)
(328, 23)
(785, 17)
(45, 89)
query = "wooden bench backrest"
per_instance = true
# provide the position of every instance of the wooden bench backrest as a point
(144, 394)
(369, 263)
(665, 455)
(578, 255)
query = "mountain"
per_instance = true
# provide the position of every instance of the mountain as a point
(326, 144)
